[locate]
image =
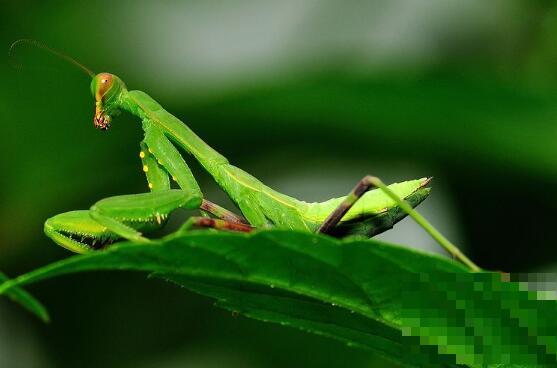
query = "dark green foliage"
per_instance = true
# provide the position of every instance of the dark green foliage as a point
(363, 292)
(26, 300)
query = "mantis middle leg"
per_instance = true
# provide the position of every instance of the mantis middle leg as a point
(217, 224)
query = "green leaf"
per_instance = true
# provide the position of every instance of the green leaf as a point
(294, 310)
(414, 308)
(26, 300)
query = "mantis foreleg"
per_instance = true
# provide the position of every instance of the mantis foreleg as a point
(115, 226)
(157, 177)
(126, 215)
(158, 155)
(169, 158)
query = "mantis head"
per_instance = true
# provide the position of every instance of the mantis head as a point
(107, 90)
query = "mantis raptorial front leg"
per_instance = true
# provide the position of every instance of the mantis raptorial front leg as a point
(120, 217)
(168, 157)
(116, 226)
(161, 158)
(125, 215)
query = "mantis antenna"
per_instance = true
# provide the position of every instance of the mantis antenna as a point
(35, 43)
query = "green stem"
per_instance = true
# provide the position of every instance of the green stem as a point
(427, 226)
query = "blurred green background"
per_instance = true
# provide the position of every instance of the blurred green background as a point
(306, 95)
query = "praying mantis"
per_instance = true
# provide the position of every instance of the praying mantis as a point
(370, 208)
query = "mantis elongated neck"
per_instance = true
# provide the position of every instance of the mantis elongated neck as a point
(143, 106)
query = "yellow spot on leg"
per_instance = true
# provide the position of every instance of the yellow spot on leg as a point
(150, 150)
(174, 178)
(150, 186)
(160, 162)
(142, 154)
(145, 168)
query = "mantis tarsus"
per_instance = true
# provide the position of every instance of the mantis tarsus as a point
(370, 208)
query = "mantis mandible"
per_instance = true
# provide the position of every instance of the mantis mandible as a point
(370, 208)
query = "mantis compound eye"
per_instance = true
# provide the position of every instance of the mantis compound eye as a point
(104, 84)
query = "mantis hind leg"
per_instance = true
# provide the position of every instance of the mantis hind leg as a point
(369, 182)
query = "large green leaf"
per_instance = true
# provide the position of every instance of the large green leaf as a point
(415, 308)
(26, 300)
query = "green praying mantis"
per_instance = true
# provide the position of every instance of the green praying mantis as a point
(370, 208)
